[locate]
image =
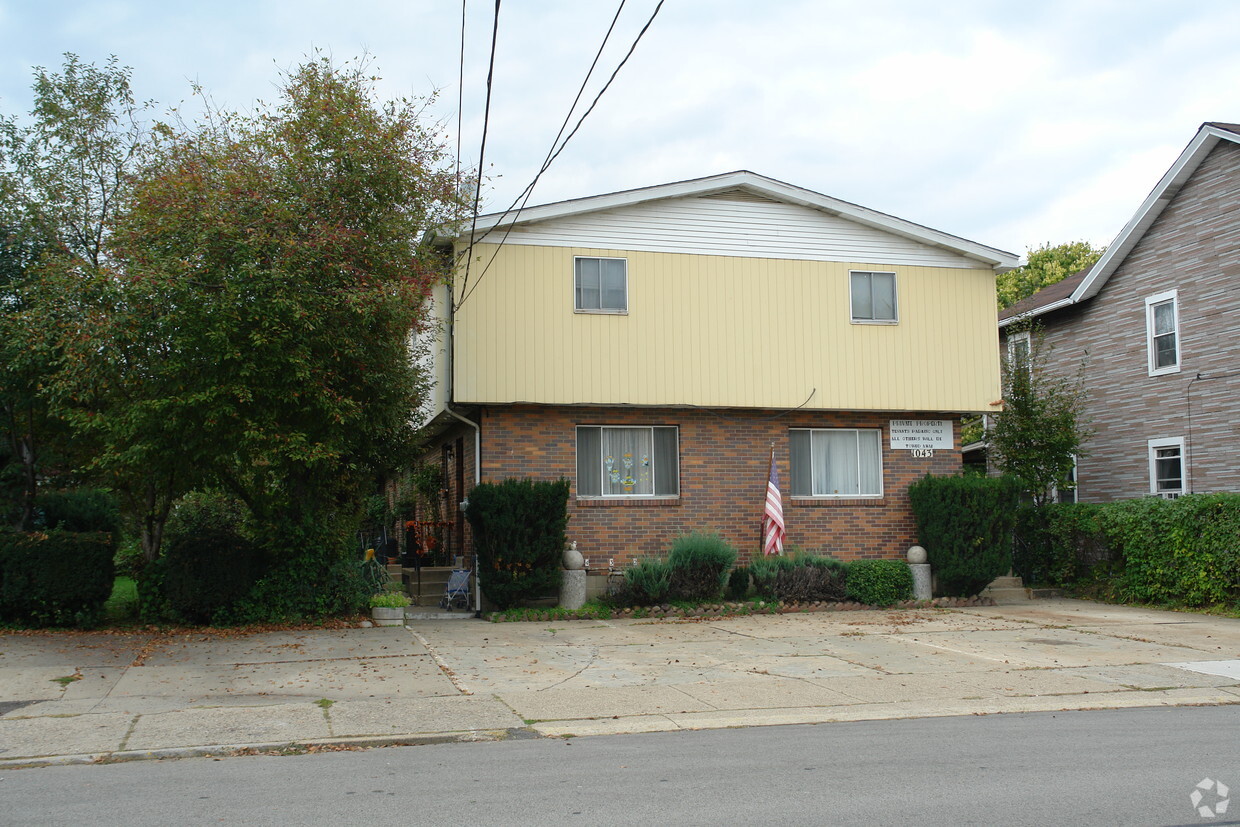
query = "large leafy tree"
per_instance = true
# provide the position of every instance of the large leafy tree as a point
(1038, 434)
(63, 174)
(255, 329)
(1045, 266)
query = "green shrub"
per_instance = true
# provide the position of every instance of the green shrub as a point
(1176, 551)
(81, 509)
(518, 528)
(765, 571)
(965, 524)
(738, 583)
(208, 561)
(1057, 544)
(800, 578)
(646, 583)
(699, 564)
(55, 578)
(879, 582)
(310, 584)
(389, 600)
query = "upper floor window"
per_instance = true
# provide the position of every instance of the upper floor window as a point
(601, 285)
(627, 462)
(1167, 467)
(873, 296)
(1162, 324)
(836, 462)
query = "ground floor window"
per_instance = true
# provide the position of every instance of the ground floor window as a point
(836, 462)
(627, 461)
(1167, 467)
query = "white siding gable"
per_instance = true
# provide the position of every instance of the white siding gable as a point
(733, 224)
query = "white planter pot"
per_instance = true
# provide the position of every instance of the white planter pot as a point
(388, 616)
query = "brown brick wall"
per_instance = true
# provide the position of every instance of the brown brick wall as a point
(1193, 247)
(723, 470)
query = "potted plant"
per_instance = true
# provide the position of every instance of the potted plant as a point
(388, 608)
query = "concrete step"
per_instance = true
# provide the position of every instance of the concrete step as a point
(1006, 590)
(434, 582)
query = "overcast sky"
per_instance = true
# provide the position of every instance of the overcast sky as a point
(1009, 123)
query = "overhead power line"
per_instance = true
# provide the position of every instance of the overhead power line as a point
(482, 150)
(554, 152)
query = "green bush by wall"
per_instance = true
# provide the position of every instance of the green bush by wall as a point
(879, 582)
(1150, 550)
(965, 524)
(800, 578)
(518, 528)
(699, 565)
(55, 578)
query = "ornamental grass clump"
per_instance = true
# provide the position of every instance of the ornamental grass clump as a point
(646, 583)
(699, 565)
(800, 578)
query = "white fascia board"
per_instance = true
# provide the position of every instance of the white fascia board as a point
(999, 260)
(1151, 208)
(1037, 311)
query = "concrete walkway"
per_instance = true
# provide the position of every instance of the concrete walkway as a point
(96, 697)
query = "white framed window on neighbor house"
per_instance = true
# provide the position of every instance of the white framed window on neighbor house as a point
(1167, 467)
(600, 285)
(1067, 493)
(1020, 350)
(628, 461)
(1162, 330)
(836, 462)
(872, 297)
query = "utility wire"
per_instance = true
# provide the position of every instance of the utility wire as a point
(554, 152)
(460, 99)
(486, 120)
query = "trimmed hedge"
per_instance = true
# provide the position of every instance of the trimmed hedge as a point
(1183, 551)
(966, 525)
(879, 582)
(518, 528)
(81, 509)
(55, 578)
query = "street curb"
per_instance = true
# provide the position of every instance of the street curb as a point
(296, 747)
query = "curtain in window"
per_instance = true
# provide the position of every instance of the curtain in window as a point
(666, 462)
(589, 463)
(628, 457)
(831, 463)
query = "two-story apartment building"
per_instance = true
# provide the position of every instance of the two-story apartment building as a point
(1154, 330)
(654, 346)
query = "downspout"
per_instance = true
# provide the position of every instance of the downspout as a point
(447, 406)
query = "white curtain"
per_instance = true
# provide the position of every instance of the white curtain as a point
(627, 461)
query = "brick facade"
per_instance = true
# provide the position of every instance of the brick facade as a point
(724, 459)
(1192, 247)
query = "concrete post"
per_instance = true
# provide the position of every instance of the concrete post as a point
(921, 573)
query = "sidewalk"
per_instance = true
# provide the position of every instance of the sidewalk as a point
(141, 696)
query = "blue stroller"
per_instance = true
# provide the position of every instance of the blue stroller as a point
(456, 595)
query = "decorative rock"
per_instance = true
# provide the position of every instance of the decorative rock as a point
(366, 624)
(573, 560)
(916, 554)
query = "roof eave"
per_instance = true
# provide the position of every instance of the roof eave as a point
(999, 260)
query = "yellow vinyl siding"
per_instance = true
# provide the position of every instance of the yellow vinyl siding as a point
(724, 332)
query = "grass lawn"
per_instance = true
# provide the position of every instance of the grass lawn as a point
(123, 604)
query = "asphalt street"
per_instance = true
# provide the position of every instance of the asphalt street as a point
(1138, 766)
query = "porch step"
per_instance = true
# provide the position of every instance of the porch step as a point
(434, 584)
(1006, 590)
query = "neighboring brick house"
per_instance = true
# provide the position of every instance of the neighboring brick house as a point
(1154, 329)
(654, 345)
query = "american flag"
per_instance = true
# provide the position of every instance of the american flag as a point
(773, 515)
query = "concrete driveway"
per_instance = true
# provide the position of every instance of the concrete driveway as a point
(89, 697)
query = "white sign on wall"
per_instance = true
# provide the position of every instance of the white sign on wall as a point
(920, 434)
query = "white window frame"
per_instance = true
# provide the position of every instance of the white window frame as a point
(1151, 302)
(656, 495)
(895, 297)
(1152, 452)
(1075, 496)
(867, 496)
(606, 311)
(1013, 341)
